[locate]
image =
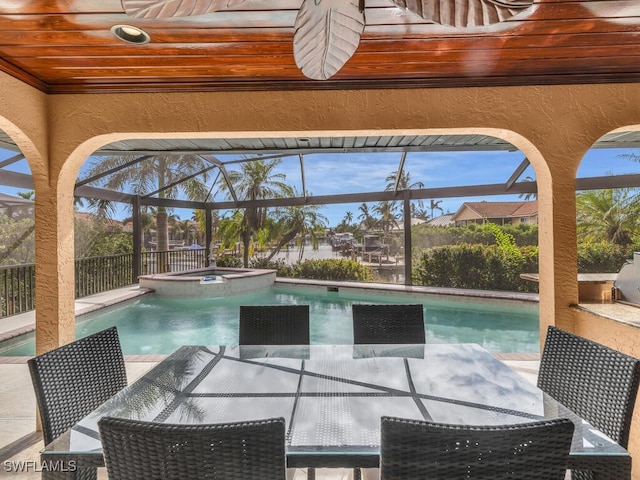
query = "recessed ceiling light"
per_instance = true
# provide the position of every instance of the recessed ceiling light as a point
(130, 34)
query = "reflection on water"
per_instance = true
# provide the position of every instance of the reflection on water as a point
(161, 325)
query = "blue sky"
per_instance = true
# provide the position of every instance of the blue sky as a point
(327, 174)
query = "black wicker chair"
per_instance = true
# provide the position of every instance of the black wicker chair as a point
(596, 382)
(387, 323)
(73, 380)
(274, 325)
(531, 451)
(136, 450)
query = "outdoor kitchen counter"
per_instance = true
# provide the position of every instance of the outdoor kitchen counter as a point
(592, 287)
(620, 312)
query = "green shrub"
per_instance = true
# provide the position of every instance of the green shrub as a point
(602, 257)
(230, 261)
(281, 268)
(333, 269)
(483, 267)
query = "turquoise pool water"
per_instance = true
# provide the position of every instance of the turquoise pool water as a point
(160, 325)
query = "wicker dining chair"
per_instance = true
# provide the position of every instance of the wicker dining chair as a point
(435, 451)
(137, 450)
(274, 325)
(387, 323)
(73, 380)
(596, 382)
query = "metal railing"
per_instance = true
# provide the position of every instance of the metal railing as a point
(99, 274)
(172, 261)
(17, 289)
(93, 275)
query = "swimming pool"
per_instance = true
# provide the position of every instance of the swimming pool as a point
(156, 325)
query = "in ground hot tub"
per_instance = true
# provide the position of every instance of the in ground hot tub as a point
(208, 282)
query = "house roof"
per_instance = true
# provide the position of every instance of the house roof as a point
(11, 201)
(500, 209)
(442, 221)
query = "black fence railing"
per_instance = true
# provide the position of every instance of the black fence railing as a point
(17, 289)
(172, 261)
(93, 275)
(99, 274)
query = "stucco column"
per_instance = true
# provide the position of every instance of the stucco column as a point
(557, 232)
(55, 313)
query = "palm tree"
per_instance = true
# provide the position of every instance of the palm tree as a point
(435, 205)
(157, 173)
(418, 211)
(365, 217)
(255, 180)
(299, 220)
(404, 183)
(531, 195)
(611, 215)
(388, 217)
(29, 195)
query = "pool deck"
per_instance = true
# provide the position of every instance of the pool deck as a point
(20, 442)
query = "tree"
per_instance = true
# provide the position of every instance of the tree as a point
(418, 211)
(435, 205)
(404, 183)
(299, 220)
(365, 217)
(388, 217)
(159, 173)
(256, 180)
(531, 195)
(611, 215)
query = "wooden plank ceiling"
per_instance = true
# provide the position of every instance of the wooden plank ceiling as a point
(66, 46)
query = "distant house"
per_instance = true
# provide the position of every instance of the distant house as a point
(500, 213)
(15, 207)
(442, 221)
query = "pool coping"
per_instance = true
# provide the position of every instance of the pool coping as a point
(25, 322)
(395, 288)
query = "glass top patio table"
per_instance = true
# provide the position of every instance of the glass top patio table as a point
(332, 398)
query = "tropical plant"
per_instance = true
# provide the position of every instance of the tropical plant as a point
(404, 182)
(159, 174)
(388, 217)
(418, 211)
(256, 180)
(530, 195)
(299, 221)
(435, 205)
(366, 219)
(28, 195)
(610, 215)
(348, 219)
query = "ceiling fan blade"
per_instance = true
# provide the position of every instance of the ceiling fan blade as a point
(327, 34)
(174, 8)
(465, 13)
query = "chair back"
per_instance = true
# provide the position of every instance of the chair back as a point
(136, 450)
(435, 451)
(594, 381)
(388, 323)
(274, 325)
(73, 380)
